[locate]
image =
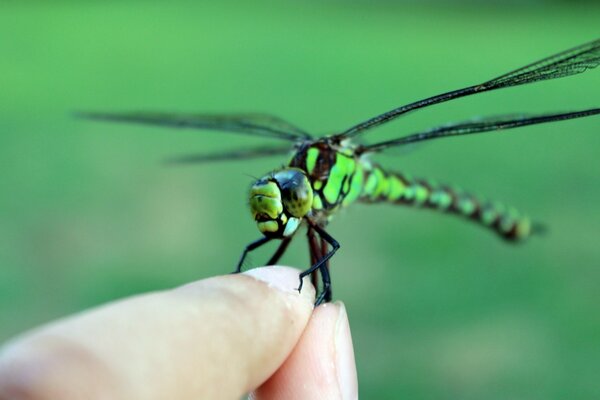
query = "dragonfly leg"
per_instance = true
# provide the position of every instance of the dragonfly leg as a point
(280, 251)
(252, 246)
(316, 253)
(326, 294)
(323, 260)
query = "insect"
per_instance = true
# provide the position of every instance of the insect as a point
(328, 173)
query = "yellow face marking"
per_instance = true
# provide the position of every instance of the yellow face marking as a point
(265, 198)
(268, 226)
(265, 205)
(268, 189)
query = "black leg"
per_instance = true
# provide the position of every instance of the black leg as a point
(280, 250)
(335, 246)
(315, 254)
(326, 278)
(254, 245)
(326, 294)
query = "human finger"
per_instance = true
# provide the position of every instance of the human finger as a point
(217, 338)
(322, 363)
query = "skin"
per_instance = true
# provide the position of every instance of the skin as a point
(218, 338)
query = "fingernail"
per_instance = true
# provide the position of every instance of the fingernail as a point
(344, 353)
(284, 279)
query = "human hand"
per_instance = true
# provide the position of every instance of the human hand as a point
(217, 338)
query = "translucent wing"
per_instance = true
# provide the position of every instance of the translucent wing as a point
(570, 62)
(478, 126)
(250, 124)
(239, 154)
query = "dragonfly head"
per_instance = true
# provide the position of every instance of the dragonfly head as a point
(280, 200)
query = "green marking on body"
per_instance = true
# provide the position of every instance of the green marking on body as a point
(397, 187)
(318, 185)
(466, 205)
(441, 198)
(382, 185)
(356, 186)
(311, 159)
(332, 189)
(317, 203)
(409, 193)
(346, 186)
(350, 163)
(343, 167)
(370, 184)
(421, 194)
(489, 215)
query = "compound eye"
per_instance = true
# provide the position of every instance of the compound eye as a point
(297, 195)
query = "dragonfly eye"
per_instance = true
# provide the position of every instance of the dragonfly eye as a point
(296, 192)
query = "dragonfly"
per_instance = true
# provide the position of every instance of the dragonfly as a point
(326, 174)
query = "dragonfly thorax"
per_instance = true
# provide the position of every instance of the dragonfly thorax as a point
(279, 201)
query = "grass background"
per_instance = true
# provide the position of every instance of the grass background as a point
(439, 308)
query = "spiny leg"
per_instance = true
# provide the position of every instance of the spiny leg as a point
(252, 246)
(280, 251)
(317, 251)
(335, 246)
(320, 249)
(326, 294)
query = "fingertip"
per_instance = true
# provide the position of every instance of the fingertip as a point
(345, 363)
(284, 279)
(322, 364)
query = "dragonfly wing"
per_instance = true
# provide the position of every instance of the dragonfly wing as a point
(479, 126)
(250, 124)
(570, 62)
(238, 154)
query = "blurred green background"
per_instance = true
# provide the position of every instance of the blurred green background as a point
(440, 309)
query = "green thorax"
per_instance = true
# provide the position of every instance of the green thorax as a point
(336, 172)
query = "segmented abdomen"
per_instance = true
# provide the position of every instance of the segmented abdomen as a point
(400, 188)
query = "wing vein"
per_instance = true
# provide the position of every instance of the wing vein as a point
(569, 62)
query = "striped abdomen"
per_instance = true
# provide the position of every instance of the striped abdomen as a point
(402, 189)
